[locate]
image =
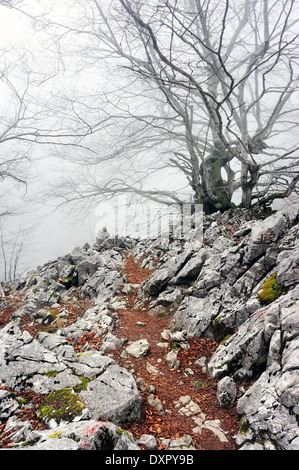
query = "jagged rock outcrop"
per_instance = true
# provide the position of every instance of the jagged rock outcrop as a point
(85, 435)
(239, 287)
(48, 363)
(258, 334)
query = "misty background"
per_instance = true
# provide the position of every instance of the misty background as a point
(45, 229)
(77, 123)
(47, 232)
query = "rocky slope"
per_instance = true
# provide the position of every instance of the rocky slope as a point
(158, 344)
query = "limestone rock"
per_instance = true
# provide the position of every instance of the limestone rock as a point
(138, 348)
(113, 396)
(195, 315)
(85, 435)
(8, 405)
(180, 443)
(158, 311)
(155, 403)
(226, 391)
(111, 342)
(149, 441)
(172, 360)
(265, 232)
(160, 278)
(192, 268)
(288, 267)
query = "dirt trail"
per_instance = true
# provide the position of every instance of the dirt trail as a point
(171, 384)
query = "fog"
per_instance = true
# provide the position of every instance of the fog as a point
(49, 231)
(92, 108)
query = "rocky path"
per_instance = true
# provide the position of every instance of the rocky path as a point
(180, 407)
(179, 398)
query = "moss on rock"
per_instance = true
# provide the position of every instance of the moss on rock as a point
(270, 290)
(219, 331)
(61, 405)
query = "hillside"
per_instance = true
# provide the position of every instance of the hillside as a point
(158, 344)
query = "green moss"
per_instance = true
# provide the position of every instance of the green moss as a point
(244, 427)
(120, 431)
(83, 385)
(56, 435)
(61, 405)
(43, 313)
(201, 384)
(220, 331)
(22, 401)
(52, 373)
(226, 338)
(175, 345)
(54, 295)
(270, 290)
(33, 276)
(174, 306)
(54, 312)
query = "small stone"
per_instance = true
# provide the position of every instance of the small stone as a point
(128, 289)
(184, 400)
(152, 369)
(138, 348)
(151, 389)
(181, 443)
(111, 342)
(214, 426)
(155, 403)
(172, 361)
(226, 391)
(162, 345)
(201, 361)
(140, 381)
(184, 411)
(188, 371)
(148, 441)
(158, 311)
(166, 334)
(197, 430)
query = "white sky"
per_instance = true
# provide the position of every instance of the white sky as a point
(54, 234)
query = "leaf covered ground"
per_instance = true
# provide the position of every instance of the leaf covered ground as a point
(168, 384)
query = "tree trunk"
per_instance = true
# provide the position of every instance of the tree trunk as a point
(250, 175)
(216, 193)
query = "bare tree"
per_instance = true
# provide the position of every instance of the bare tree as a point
(35, 117)
(34, 114)
(212, 95)
(11, 251)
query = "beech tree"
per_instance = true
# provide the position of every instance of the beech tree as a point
(208, 88)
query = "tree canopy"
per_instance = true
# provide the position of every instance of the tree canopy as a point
(203, 89)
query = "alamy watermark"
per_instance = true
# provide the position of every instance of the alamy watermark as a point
(149, 220)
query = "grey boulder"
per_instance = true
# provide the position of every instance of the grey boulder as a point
(138, 349)
(113, 396)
